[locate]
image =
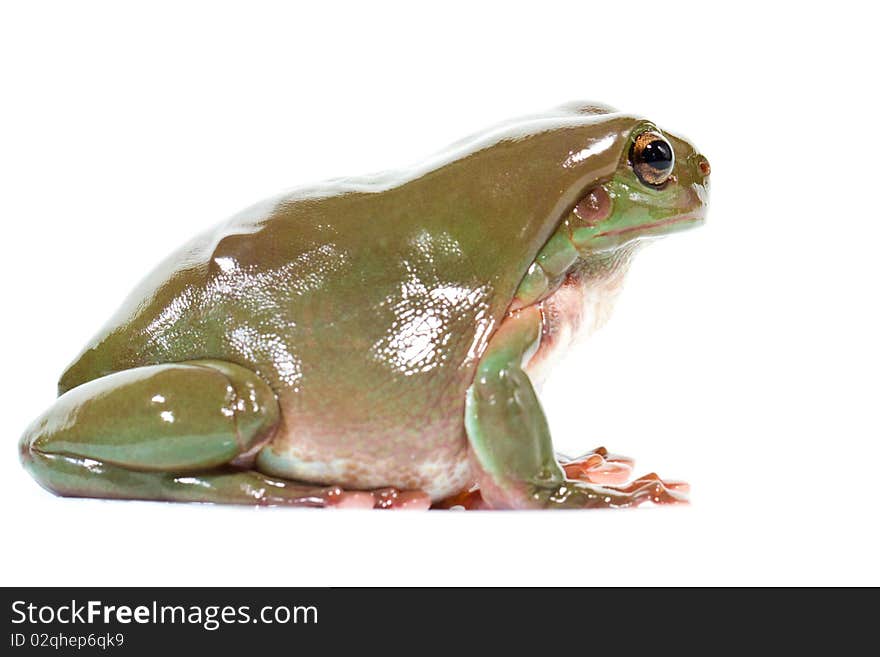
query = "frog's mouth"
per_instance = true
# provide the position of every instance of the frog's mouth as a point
(660, 227)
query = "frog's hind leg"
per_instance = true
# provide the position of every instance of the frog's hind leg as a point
(176, 432)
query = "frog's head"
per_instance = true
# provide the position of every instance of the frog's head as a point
(661, 185)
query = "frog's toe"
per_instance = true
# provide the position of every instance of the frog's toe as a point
(597, 479)
(406, 500)
(598, 467)
(651, 488)
(572, 494)
(337, 498)
(614, 471)
(466, 500)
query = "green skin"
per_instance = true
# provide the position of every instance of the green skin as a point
(365, 334)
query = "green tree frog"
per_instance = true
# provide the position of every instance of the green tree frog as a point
(377, 341)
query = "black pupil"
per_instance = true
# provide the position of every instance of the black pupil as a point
(658, 154)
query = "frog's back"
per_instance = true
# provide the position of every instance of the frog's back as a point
(365, 306)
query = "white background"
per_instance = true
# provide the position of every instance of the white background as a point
(743, 356)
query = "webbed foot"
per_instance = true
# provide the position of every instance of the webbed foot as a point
(467, 500)
(580, 495)
(405, 500)
(595, 479)
(598, 467)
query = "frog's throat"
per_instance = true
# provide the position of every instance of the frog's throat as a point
(653, 226)
(581, 305)
(556, 267)
(571, 245)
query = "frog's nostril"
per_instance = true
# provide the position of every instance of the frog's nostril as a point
(703, 164)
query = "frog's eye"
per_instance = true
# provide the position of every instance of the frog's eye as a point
(652, 158)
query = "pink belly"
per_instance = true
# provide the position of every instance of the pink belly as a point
(434, 461)
(578, 308)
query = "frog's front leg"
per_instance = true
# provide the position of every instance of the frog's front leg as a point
(177, 432)
(510, 439)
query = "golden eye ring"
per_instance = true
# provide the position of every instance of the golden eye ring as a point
(652, 158)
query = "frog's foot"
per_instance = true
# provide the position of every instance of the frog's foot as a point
(651, 488)
(598, 467)
(573, 494)
(467, 500)
(406, 500)
(582, 492)
(614, 471)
